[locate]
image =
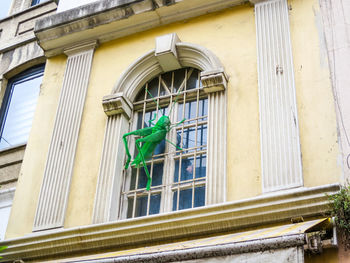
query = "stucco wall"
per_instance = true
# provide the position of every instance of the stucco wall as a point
(317, 120)
(230, 35)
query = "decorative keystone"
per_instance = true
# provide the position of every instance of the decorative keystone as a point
(166, 53)
(117, 104)
(214, 80)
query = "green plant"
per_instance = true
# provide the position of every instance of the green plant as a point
(340, 209)
(2, 248)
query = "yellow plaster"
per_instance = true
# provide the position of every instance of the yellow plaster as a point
(113, 58)
(230, 35)
(30, 178)
(316, 110)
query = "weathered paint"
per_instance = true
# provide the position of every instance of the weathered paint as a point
(317, 121)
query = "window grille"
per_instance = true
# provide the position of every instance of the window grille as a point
(178, 176)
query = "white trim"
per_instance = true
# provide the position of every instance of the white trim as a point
(167, 227)
(58, 172)
(6, 197)
(129, 84)
(279, 131)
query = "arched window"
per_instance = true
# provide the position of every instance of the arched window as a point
(18, 107)
(186, 82)
(178, 176)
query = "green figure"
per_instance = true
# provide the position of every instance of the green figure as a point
(152, 136)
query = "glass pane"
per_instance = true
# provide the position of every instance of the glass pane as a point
(154, 204)
(167, 80)
(130, 207)
(203, 107)
(160, 148)
(199, 196)
(133, 178)
(175, 201)
(162, 91)
(36, 2)
(180, 112)
(192, 81)
(190, 110)
(143, 177)
(20, 113)
(141, 206)
(176, 173)
(185, 200)
(202, 135)
(153, 88)
(157, 174)
(179, 76)
(187, 169)
(4, 218)
(201, 166)
(189, 136)
(5, 8)
(141, 95)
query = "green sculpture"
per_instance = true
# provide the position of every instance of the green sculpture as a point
(152, 136)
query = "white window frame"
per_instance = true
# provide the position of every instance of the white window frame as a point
(6, 200)
(170, 54)
(167, 188)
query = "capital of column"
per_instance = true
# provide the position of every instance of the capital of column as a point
(81, 47)
(214, 80)
(117, 104)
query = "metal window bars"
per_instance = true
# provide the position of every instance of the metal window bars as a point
(178, 176)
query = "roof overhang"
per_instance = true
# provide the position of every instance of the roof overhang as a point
(259, 240)
(111, 19)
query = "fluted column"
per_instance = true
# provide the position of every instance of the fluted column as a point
(214, 83)
(280, 146)
(60, 160)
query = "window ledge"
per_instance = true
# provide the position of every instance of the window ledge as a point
(13, 148)
(230, 216)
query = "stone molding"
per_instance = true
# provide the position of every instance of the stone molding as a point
(274, 208)
(112, 19)
(281, 164)
(213, 81)
(116, 104)
(53, 198)
(166, 52)
(119, 103)
(148, 66)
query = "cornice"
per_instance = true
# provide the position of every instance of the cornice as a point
(232, 216)
(111, 19)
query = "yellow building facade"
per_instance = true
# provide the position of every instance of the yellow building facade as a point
(261, 137)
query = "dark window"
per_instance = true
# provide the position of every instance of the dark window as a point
(17, 109)
(35, 2)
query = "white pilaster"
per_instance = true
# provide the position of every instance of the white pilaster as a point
(214, 83)
(110, 177)
(60, 160)
(280, 147)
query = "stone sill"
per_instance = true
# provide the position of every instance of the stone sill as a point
(199, 222)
